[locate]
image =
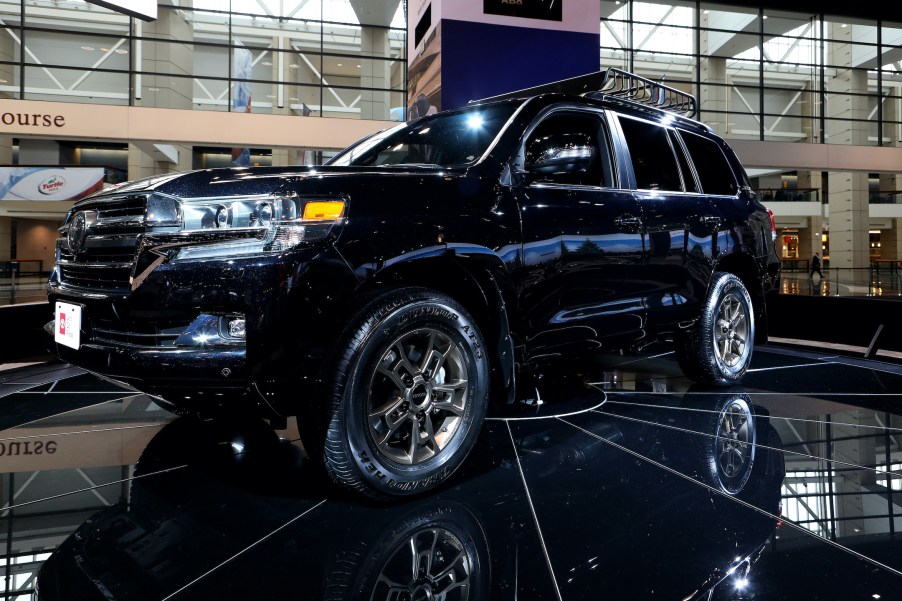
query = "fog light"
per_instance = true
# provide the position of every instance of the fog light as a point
(237, 328)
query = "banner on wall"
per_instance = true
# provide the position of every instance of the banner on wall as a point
(49, 183)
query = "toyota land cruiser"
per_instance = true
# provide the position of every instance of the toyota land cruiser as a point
(387, 297)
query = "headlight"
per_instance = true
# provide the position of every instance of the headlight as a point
(214, 227)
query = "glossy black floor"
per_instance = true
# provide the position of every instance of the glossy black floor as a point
(617, 481)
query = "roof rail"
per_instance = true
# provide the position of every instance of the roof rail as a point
(645, 91)
(616, 83)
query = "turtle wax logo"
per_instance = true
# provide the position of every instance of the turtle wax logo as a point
(52, 185)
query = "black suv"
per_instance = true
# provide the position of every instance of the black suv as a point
(387, 296)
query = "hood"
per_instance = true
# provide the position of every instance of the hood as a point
(254, 180)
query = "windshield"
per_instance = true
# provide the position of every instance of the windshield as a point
(444, 139)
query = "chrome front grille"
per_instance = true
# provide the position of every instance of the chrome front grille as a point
(94, 276)
(127, 207)
(104, 255)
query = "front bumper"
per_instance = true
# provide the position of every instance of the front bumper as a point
(162, 338)
(155, 370)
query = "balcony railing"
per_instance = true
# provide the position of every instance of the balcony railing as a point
(885, 197)
(814, 195)
(881, 279)
(789, 194)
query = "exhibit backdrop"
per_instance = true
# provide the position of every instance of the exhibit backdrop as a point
(464, 50)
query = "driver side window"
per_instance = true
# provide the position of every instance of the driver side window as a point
(569, 148)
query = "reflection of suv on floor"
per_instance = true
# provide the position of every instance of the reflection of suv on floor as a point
(386, 296)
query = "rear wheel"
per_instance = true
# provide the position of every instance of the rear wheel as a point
(718, 348)
(407, 394)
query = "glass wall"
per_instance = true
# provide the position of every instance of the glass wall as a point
(766, 74)
(305, 57)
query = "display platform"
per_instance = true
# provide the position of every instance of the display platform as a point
(618, 479)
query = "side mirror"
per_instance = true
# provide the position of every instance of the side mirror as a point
(560, 153)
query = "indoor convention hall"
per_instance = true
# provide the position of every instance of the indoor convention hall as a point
(450, 300)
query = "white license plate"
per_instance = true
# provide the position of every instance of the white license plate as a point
(68, 325)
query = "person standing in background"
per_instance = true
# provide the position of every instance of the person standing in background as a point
(815, 266)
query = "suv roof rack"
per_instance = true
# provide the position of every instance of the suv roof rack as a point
(616, 83)
(645, 91)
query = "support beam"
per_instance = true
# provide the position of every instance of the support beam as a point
(375, 12)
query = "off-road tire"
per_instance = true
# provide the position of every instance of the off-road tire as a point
(366, 374)
(717, 349)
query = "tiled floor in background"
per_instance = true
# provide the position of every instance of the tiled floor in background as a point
(625, 482)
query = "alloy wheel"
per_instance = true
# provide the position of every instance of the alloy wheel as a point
(731, 331)
(417, 396)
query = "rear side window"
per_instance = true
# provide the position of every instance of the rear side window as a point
(654, 163)
(713, 170)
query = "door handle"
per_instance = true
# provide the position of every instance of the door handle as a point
(628, 222)
(710, 220)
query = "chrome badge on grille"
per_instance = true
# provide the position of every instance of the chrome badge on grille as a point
(78, 230)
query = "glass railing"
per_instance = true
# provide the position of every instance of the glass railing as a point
(881, 279)
(885, 197)
(16, 289)
(814, 195)
(789, 195)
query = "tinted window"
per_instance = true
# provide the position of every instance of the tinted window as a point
(714, 172)
(653, 161)
(445, 139)
(570, 131)
(688, 179)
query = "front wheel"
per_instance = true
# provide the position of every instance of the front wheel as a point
(718, 348)
(408, 393)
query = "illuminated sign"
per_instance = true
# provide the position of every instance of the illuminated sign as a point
(142, 9)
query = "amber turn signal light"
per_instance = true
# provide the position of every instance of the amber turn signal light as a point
(323, 210)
